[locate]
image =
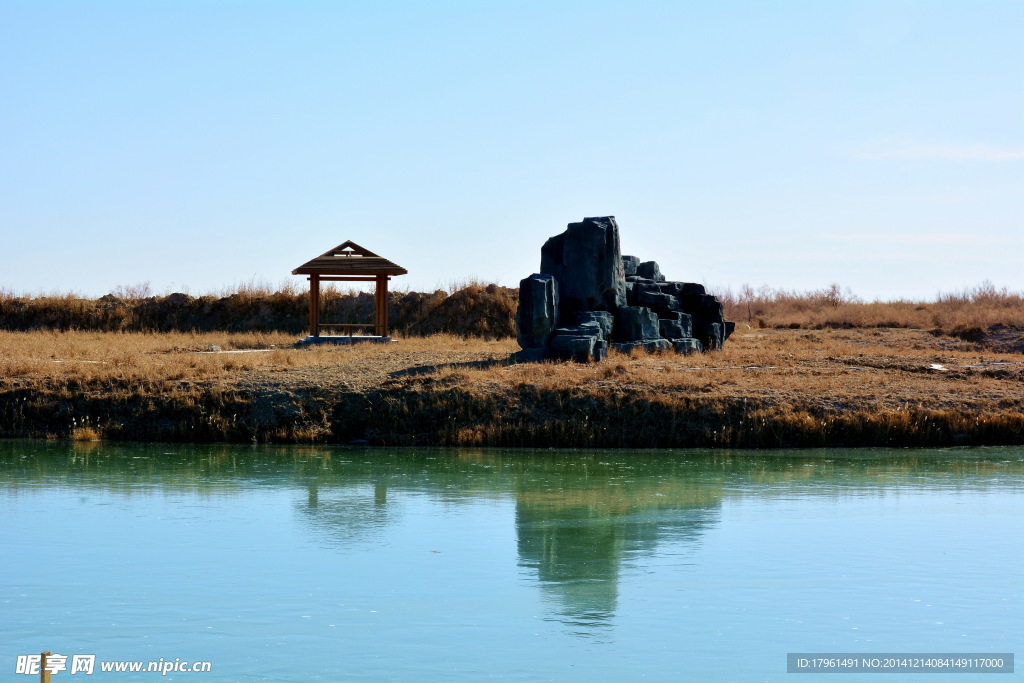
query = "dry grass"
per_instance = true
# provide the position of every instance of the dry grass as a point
(218, 386)
(960, 312)
(54, 357)
(766, 388)
(87, 356)
(834, 379)
(877, 370)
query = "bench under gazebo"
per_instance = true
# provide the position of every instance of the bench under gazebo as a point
(349, 262)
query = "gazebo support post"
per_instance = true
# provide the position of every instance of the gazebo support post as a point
(314, 305)
(381, 301)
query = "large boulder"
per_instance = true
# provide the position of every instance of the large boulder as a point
(648, 345)
(578, 342)
(587, 263)
(705, 306)
(588, 295)
(710, 335)
(603, 319)
(657, 301)
(650, 270)
(671, 329)
(537, 314)
(629, 265)
(636, 323)
(687, 346)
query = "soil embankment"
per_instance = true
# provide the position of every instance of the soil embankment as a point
(767, 388)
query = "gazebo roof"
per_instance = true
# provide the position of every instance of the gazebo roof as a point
(348, 258)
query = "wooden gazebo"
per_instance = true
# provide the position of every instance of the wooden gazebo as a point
(349, 262)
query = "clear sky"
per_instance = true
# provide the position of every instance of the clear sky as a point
(790, 143)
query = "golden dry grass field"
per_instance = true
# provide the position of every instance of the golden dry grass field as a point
(767, 388)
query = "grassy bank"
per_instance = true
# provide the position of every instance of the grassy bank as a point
(768, 388)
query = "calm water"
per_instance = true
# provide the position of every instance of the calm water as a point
(462, 565)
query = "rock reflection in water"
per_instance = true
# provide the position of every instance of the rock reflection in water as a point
(579, 523)
(579, 533)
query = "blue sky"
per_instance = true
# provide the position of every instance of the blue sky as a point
(794, 144)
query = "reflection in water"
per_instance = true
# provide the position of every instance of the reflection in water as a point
(580, 530)
(577, 521)
(577, 563)
(579, 555)
(348, 517)
(582, 519)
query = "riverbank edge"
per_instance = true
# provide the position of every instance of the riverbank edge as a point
(443, 414)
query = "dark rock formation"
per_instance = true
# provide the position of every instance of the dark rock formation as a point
(587, 297)
(629, 265)
(636, 323)
(671, 329)
(649, 345)
(686, 345)
(586, 262)
(603, 318)
(579, 342)
(650, 270)
(538, 309)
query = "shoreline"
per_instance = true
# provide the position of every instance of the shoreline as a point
(548, 419)
(772, 389)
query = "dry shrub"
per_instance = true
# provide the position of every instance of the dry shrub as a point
(983, 306)
(85, 434)
(834, 307)
(471, 308)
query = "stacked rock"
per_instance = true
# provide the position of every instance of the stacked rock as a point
(588, 296)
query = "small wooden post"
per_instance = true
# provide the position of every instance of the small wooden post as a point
(314, 305)
(382, 305)
(376, 305)
(44, 675)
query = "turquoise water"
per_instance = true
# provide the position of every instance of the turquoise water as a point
(310, 563)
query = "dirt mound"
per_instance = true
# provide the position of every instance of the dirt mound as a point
(1004, 339)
